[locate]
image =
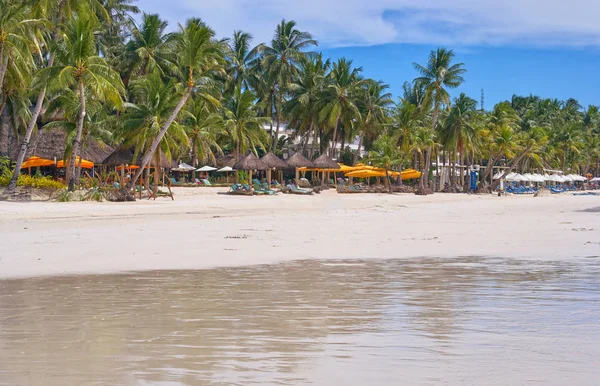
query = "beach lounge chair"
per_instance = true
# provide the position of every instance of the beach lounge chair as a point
(238, 189)
(174, 181)
(296, 190)
(206, 182)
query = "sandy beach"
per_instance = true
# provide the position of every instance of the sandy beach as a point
(203, 229)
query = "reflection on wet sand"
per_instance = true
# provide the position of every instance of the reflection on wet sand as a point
(420, 321)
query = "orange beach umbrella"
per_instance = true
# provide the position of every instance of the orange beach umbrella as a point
(34, 162)
(85, 164)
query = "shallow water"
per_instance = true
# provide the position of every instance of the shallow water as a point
(413, 322)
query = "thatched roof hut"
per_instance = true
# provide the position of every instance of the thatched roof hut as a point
(50, 144)
(124, 156)
(324, 162)
(274, 162)
(250, 162)
(297, 160)
(227, 160)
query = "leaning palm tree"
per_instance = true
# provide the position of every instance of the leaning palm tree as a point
(78, 65)
(436, 76)
(281, 61)
(243, 122)
(340, 96)
(198, 55)
(143, 122)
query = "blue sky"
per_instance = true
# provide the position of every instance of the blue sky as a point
(549, 48)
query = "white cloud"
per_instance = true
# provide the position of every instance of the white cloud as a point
(369, 22)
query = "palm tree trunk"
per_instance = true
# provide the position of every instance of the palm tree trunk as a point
(387, 180)
(314, 133)
(3, 66)
(422, 178)
(194, 160)
(32, 123)
(511, 165)
(77, 142)
(279, 104)
(160, 136)
(332, 150)
(360, 141)
(156, 172)
(427, 166)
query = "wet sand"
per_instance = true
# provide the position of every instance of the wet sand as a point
(202, 229)
(428, 321)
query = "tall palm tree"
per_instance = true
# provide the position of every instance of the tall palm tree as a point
(458, 132)
(242, 61)
(306, 94)
(80, 66)
(148, 48)
(374, 105)
(423, 142)
(198, 55)
(57, 13)
(436, 76)
(243, 122)
(498, 135)
(281, 61)
(340, 96)
(203, 125)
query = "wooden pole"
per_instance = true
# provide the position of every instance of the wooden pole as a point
(297, 178)
(269, 178)
(250, 180)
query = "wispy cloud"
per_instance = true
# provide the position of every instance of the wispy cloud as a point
(371, 22)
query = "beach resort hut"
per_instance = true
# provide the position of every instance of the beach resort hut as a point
(326, 164)
(36, 162)
(296, 161)
(273, 162)
(225, 170)
(250, 162)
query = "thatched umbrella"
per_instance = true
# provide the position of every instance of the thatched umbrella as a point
(296, 161)
(324, 162)
(51, 144)
(273, 162)
(250, 162)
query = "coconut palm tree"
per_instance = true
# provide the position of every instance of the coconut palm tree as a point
(385, 154)
(438, 75)
(243, 121)
(424, 142)
(197, 56)
(149, 47)
(78, 65)
(457, 131)
(203, 126)
(306, 92)
(143, 121)
(281, 60)
(242, 61)
(374, 105)
(340, 97)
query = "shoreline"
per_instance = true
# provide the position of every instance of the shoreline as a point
(202, 229)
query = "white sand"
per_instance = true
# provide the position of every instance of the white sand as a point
(201, 229)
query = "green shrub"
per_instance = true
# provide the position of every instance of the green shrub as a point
(64, 196)
(25, 180)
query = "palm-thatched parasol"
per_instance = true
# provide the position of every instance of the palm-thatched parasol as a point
(296, 161)
(324, 162)
(273, 162)
(51, 144)
(250, 162)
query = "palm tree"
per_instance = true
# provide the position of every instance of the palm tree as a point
(281, 61)
(385, 154)
(143, 122)
(57, 14)
(339, 100)
(374, 106)
(148, 48)
(243, 122)
(457, 131)
(198, 55)
(203, 125)
(306, 92)
(423, 142)
(242, 61)
(438, 74)
(79, 66)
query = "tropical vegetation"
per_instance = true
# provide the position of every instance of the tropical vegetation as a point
(104, 69)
